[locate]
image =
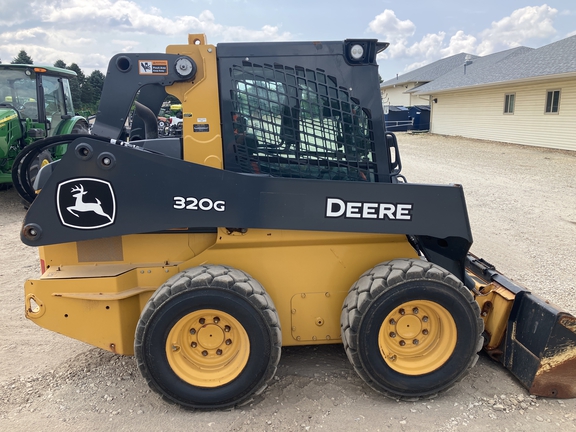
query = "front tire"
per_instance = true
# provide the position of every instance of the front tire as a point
(410, 328)
(208, 338)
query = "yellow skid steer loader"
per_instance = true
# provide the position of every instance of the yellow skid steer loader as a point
(280, 217)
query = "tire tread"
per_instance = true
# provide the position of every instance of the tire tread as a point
(222, 277)
(385, 277)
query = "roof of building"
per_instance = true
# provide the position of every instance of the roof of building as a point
(515, 64)
(429, 72)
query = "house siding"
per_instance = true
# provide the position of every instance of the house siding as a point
(480, 114)
(397, 96)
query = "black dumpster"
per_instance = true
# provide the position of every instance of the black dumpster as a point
(397, 118)
(420, 115)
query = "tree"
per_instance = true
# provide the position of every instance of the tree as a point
(380, 79)
(22, 58)
(60, 64)
(96, 80)
(76, 86)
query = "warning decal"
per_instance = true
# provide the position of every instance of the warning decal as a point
(153, 67)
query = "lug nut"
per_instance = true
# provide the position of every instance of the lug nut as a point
(226, 328)
(216, 320)
(204, 353)
(193, 344)
(192, 331)
(202, 321)
(219, 352)
(402, 343)
(392, 321)
(415, 341)
(402, 311)
(415, 310)
(424, 332)
(392, 334)
(425, 319)
(228, 341)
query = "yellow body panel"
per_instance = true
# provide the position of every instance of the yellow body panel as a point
(100, 302)
(200, 103)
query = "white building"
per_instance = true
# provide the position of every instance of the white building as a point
(397, 91)
(523, 96)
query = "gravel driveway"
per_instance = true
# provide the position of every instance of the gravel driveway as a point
(522, 207)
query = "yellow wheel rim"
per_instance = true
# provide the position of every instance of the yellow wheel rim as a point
(44, 163)
(417, 337)
(207, 348)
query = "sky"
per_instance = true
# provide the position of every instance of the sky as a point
(90, 32)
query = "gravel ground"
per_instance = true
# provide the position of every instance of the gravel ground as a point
(522, 207)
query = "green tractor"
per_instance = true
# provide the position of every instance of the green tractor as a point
(35, 103)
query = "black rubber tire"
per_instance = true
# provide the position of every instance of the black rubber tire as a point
(385, 287)
(37, 163)
(26, 157)
(81, 127)
(209, 287)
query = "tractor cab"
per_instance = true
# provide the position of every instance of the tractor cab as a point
(35, 103)
(39, 95)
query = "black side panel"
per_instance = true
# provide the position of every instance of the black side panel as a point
(303, 110)
(104, 190)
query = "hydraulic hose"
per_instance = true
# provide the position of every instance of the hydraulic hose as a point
(20, 168)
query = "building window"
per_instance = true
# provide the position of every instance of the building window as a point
(509, 103)
(552, 101)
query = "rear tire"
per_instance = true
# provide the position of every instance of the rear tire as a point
(43, 159)
(81, 127)
(208, 338)
(410, 328)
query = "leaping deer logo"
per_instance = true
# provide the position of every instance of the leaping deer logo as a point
(82, 207)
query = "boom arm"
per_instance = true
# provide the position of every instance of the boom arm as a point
(172, 193)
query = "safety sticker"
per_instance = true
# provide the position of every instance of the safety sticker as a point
(153, 67)
(201, 128)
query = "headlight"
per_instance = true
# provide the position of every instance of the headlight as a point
(357, 52)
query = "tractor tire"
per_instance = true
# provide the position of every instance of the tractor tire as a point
(81, 127)
(44, 158)
(411, 328)
(208, 338)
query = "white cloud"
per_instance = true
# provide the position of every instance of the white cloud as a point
(127, 16)
(460, 42)
(530, 22)
(78, 29)
(389, 26)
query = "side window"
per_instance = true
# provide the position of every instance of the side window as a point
(552, 101)
(509, 100)
(68, 97)
(53, 96)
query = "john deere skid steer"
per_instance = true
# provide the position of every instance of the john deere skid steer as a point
(279, 218)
